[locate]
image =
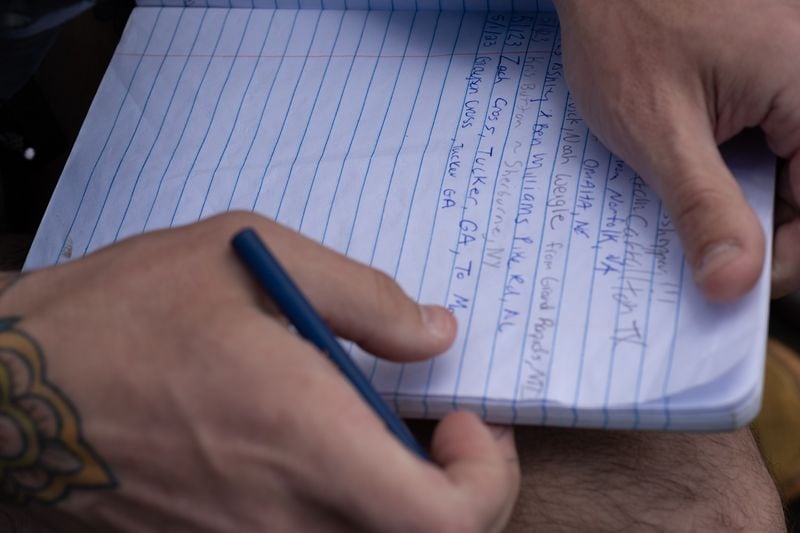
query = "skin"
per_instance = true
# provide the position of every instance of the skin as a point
(641, 481)
(210, 415)
(662, 83)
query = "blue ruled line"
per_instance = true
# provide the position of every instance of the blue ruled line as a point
(514, 233)
(380, 132)
(355, 128)
(160, 126)
(585, 335)
(563, 276)
(333, 122)
(455, 251)
(286, 113)
(188, 118)
(211, 121)
(668, 374)
(614, 343)
(135, 131)
(238, 112)
(537, 263)
(108, 137)
(436, 208)
(436, 205)
(310, 115)
(489, 218)
(416, 182)
(397, 157)
(640, 371)
(263, 108)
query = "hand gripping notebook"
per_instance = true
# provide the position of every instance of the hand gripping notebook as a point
(437, 142)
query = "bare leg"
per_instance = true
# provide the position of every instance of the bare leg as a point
(582, 480)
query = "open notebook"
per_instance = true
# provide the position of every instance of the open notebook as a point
(442, 147)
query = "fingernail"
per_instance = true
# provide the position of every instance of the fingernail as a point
(715, 256)
(436, 320)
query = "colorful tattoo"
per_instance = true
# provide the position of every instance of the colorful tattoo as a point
(42, 452)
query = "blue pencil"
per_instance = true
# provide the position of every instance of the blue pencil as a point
(283, 291)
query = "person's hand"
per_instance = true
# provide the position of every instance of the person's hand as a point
(170, 386)
(662, 82)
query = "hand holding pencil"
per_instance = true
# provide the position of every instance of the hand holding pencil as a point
(207, 394)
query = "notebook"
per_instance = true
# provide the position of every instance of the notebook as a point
(437, 142)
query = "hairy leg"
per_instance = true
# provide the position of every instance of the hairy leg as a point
(586, 480)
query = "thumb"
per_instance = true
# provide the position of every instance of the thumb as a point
(481, 461)
(721, 235)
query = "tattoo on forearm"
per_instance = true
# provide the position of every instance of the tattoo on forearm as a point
(43, 454)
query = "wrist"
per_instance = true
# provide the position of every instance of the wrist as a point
(8, 277)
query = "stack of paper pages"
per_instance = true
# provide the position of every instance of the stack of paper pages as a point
(436, 141)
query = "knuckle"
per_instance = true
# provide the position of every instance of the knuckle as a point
(388, 293)
(694, 204)
(452, 520)
(238, 219)
(226, 225)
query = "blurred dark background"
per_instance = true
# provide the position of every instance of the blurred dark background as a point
(53, 54)
(51, 67)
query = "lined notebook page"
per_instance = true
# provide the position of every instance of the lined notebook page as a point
(444, 149)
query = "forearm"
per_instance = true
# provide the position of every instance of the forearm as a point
(43, 451)
(8, 278)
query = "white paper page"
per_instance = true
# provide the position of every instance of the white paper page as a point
(440, 147)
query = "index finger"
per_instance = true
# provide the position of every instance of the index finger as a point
(358, 302)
